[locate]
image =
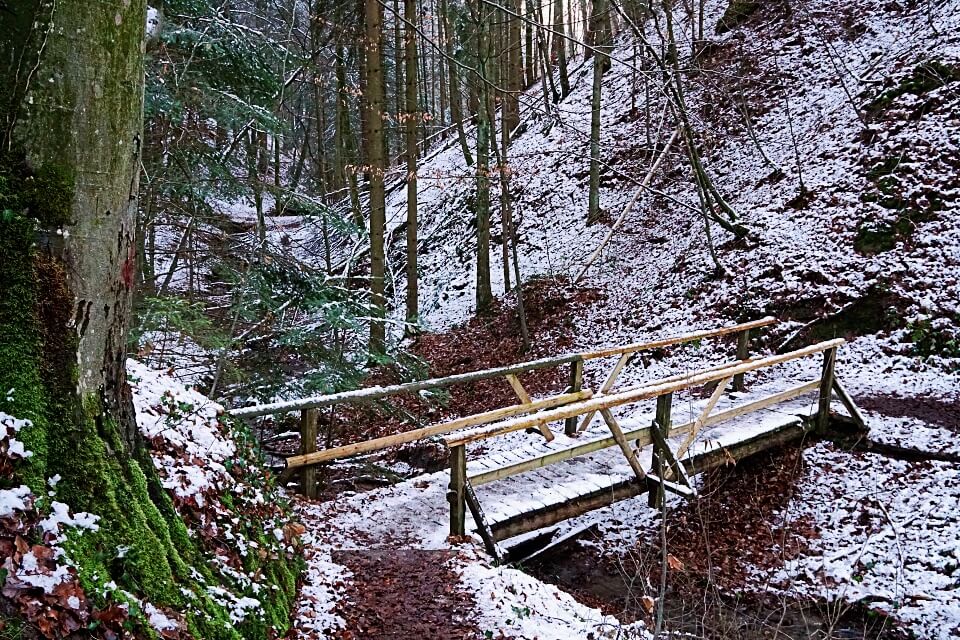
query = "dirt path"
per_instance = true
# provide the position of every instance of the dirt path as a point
(401, 594)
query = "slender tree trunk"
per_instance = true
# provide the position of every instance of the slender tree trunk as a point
(530, 61)
(373, 106)
(510, 238)
(484, 293)
(599, 62)
(399, 50)
(442, 35)
(560, 47)
(410, 126)
(456, 99)
(346, 147)
(547, 69)
(514, 66)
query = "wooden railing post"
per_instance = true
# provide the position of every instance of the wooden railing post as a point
(455, 495)
(743, 353)
(308, 444)
(576, 383)
(826, 389)
(664, 404)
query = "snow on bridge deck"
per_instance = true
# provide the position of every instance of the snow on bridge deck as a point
(415, 512)
(570, 479)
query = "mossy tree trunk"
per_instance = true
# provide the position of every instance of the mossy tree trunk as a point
(74, 116)
(71, 114)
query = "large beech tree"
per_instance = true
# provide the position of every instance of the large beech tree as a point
(71, 115)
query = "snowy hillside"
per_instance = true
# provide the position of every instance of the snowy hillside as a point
(847, 176)
(832, 94)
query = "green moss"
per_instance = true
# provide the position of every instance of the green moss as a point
(133, 545)
(141, 544)
(888, 177)
(12, 629)
(736, 13)
(20, 346)
(44, 194)
(48, 195)
(924, 78)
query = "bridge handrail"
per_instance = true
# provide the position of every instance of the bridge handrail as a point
(642, 392)
(371, 394)
(640, 436)
(486, 417)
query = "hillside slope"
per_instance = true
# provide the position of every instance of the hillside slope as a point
(855, 103)
(847, 175)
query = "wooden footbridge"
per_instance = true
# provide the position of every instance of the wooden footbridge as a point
(537, 478)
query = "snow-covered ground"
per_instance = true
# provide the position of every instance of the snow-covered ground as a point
(887, 528)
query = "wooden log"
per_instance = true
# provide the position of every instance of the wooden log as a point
(848, 402)
(702, 419)
(674, 340)
(372, 394)
(489, 543)
(826, 388)
(524, 397)
(455, 494)
(518, 389)
(308, 444)
(621, 440)
(743, 353)
(607, 385)
(681, 489)
(434, 430)
(659, 432)
(551, 546)
(576, 383)
(786, 433)
(667, 461)
(641, 435)
(652, 390)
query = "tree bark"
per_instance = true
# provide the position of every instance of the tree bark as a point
(373, 102)
(599, 65)
(70, 143)
(514, 75)
(484, 297)
(456, 99)
(410, 127)
(559, 52)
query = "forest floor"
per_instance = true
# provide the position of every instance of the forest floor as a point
(845, 171)
(818, 540)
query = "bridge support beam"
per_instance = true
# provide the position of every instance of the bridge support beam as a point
(662, 425)
(743, 353)
(456, 494)
(826, 390)
(576, 384)
(308, 444)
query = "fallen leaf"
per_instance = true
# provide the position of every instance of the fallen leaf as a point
(674, 563)
(648, 604)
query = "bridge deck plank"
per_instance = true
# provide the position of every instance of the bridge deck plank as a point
(572, 479)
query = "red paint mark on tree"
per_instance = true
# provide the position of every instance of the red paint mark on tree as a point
(128, 270)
